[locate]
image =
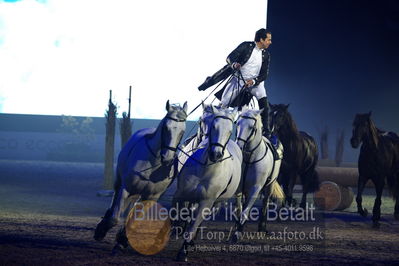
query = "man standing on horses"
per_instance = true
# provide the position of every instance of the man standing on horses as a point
(249, 65)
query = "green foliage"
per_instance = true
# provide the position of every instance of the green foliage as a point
(82, 129)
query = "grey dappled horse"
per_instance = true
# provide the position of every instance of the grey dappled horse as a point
(211, 173)
(145, 166)
(259, 169)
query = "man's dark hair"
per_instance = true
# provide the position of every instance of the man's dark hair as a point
(261, 34)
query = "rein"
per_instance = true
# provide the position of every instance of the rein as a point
(253, 132)
(199, 162)
(166, 146)
(224, 87)
(163, 146)
(210, 145)
(216, 143)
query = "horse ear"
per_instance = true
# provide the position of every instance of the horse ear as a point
(185, 107)
(234, 112)
(167, 106)
(286, 106)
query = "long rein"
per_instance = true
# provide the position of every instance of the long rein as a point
(210, 144)
(253, 132)
(162, 144)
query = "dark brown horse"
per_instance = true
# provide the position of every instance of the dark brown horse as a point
(300, 154)
(378, 159)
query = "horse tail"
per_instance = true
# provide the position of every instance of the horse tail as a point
(276, 191)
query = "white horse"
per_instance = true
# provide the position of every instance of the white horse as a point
(193, 142)
(259, 169)
(210, 174)
(145, 166)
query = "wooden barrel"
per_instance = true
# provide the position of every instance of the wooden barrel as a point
(333, 197)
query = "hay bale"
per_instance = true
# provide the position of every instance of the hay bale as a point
(333, 197)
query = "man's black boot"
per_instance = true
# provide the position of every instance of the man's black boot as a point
(263, 104)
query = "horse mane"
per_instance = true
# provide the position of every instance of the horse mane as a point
(374, 133)
(176, 112)
(252, 113)
(290, 124)
(157, 129)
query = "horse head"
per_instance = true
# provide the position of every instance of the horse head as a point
(278, 115)
(249, 125)
(173, 128)
(220, 131)
(205, 120)
(362, 125)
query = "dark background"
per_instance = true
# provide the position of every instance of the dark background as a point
(333, 59)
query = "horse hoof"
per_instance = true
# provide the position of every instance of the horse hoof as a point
(103, 227)
(182, 256)
(293, 203)
(234, 238)
(376, 225)
(117, 250)
(364, 212)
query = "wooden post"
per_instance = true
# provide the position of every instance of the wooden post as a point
(110, 116)
(339, 147)
(324, 143)
(125, 125)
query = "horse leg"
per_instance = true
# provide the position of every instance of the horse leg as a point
(192, 230)
(396, 214)
(305, 179)
(238, 225)
(263, 216)
(111, 217)
(252, 196)
(121, 242)
(303, 200)
(396, 194)
(360, 187)
(178, 224)
(379, 186)
(291, 183)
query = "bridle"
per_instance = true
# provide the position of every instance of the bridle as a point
(163, 145)
(202, 133)
(210, 134)
(253, 133)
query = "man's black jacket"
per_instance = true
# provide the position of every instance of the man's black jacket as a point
(239, 55)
